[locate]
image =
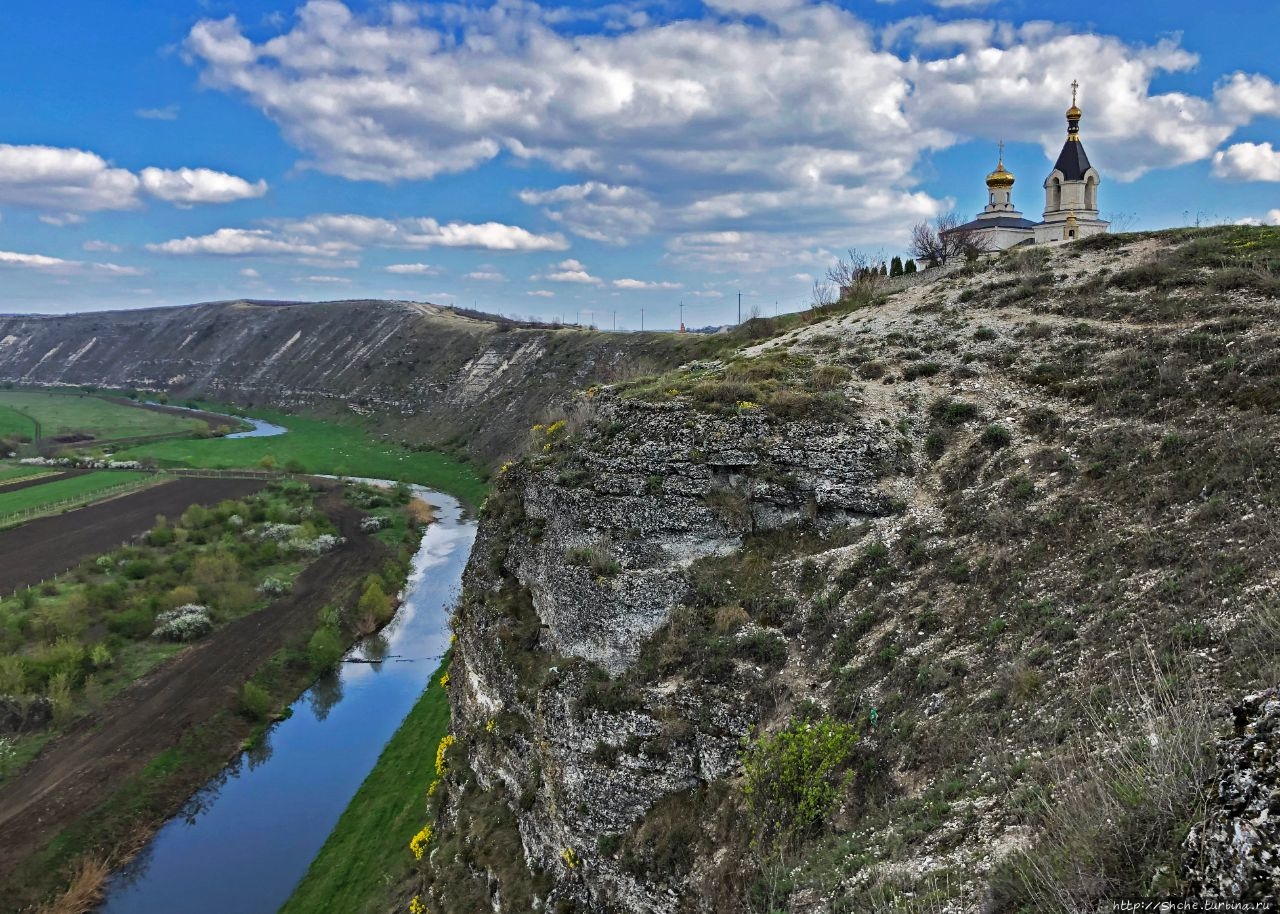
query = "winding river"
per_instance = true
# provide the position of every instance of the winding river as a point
(245, 840)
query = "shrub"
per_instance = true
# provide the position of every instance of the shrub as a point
(255, 701)
(324, 650)
(596, 558)
(136, 623)
(374, 603)
(731, 618)
(186, 623)
(921, 370)
(794, 778)
(996, 436)
(952, 412)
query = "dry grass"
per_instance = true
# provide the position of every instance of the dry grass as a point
(421, 513)
(85, 891)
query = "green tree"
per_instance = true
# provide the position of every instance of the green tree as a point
(324, 650)
(374, 602)
(909, 267)
(895, 267)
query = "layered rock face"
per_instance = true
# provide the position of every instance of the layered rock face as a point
(597, 544)
(1235, 854)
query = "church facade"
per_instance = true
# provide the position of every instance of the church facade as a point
(1070, 195)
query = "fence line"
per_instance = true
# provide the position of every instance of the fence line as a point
(13, 518)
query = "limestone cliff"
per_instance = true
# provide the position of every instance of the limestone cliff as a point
(1015, 526)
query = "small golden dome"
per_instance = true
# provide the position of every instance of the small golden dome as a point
(1074, 113)
(1001, 177)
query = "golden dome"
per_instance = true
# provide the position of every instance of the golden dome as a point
(1001, 177)
(1074, 113)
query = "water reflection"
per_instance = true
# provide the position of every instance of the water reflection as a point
(242, 843)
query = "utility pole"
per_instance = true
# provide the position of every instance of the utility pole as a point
(642, 320)
(682, 315)
(615, 320)
(739, 306)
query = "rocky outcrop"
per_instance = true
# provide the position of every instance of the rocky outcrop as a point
(1234, 854)
(598, 543)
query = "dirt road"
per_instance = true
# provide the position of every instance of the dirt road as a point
(48, 546)
(81, 769)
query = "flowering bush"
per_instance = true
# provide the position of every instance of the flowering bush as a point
(445, 743)
(325, 542)
(418, 843)
(569, 857)
(274, 587)
(416, 906)
(444, 681)
(372, 524)
(186, 623)
(279, 533)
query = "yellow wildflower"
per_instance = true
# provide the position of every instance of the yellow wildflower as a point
(417, 907)
(418, 843)
(445, 743)
(490, 725)
(444, 680)
(569, 857)
(747, 404)
(431, 791)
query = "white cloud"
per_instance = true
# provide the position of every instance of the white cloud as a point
(659, 135)
(412, 269)
(250, 273)
(62, 219)
(541, 293)
(45, 264)
(1271, 218)
(486, 276)
(167, 113)
(331, 280)
(1247, 162)
(229, 242)
(189, 186)
(571, 271)
(63, 180)
(424, 232)
(65, 183)
(95, 246)
(643, 284)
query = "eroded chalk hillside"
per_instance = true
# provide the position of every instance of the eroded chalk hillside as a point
(427, 374)
(934, 605)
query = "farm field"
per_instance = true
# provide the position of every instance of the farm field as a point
(62, 414)
(35, 497)
(48, 546)
(317, 446)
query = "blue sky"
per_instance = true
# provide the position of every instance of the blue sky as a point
(578, 160)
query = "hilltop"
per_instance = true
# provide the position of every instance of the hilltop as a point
(423, 374)
(936, 604)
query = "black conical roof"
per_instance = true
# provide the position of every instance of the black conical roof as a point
(1072, 161)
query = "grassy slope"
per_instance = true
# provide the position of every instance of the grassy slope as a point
(321, 447)
(369, 847)
(13, 422)
(58, 490)
(60, 413)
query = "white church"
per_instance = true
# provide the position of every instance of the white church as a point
(1070, 199)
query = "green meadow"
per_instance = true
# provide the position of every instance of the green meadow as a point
(66, 412)
(60, 490)
(318, 446)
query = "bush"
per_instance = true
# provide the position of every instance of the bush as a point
(255, 702)
(374, 604)
(952, 412)
(794, 778)
(996, 436)
(186, 623)
(324, 650)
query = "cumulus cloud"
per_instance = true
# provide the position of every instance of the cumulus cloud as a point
(1271, 218)
(96, 246)
(486, 276)
(660, 136)
(189, 186)
(424, 232)
(231, 242)
(65, 183)
(541, 293)
(250, 273)
(330, 280)
(1247, 162)
(571, 271)
(45, 264)
(645, 284)
(412, 269)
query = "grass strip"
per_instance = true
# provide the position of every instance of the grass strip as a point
(318, 446)
(67, 491)
(367, 852)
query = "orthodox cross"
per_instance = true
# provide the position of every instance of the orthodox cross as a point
(1075, 85)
